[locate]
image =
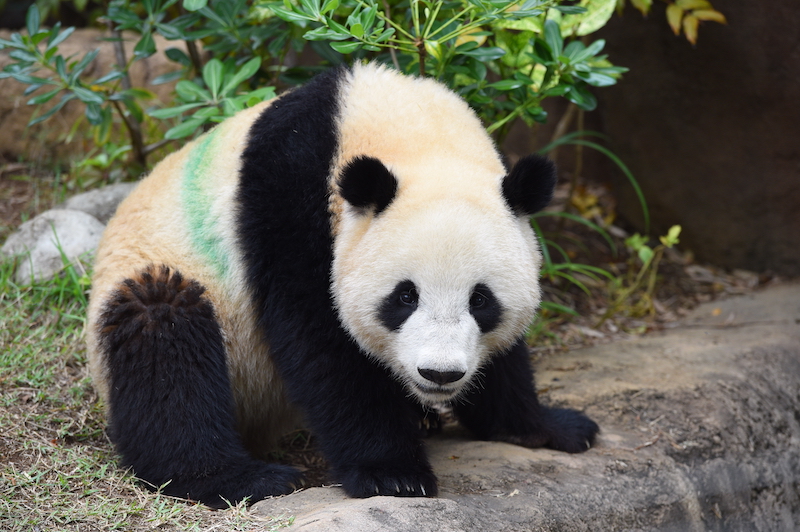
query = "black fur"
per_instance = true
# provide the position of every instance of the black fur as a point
(171, 406)
(366, 183)
(504, 407)
(485, 308)
(398, 306)
(528, 188)
(367, 427)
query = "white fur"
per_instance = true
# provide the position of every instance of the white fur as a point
(445, 246)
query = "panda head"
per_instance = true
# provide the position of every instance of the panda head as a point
(436, 267)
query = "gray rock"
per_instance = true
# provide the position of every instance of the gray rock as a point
(100, 203)
(700, 431)
(38, 241)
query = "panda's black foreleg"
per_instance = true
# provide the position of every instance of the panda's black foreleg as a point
(365, 424)
(171, 404)
(503, 406)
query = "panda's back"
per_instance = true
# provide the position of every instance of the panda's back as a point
(182, 216)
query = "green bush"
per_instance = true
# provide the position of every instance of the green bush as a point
(503, 56)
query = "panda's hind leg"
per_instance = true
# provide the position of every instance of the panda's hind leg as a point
(171, 409)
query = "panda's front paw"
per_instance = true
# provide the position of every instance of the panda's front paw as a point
(561, 429)
(365, 482)
(570, 431)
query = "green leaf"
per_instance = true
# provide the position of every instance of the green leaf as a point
(42, 98)
(212, 75)
(78, 69)
(138, 93)
(170, 31)
(11, 44)
(345, 47)
(671, 237)
(145, 47)
(87, 96)
(552, 36)
(134, 109)
(111, 76)
(231, 106)
(264, 93)
(580, 96)
(486, 54)
(368, 17)
(590, 51)
(178, 55)
(645, 254)
(570, 10)
(595, 79)
(59, 38)
(30, 89)
(57, 107)
(171, 112)
(28, 80)
(32, 20)
(541, 52)
(23, 55)
(356, 30)
(596, 15)
(329, 5)
(325, 34)
(385, 35)
(507, 84)
(61, 67)
(207, 112)
(166, 78)
(185, 129)
(39, 37)
(94, 113)
(194, 5)
(246, 71)
(291, 16)
(312, 8)
(190, 91)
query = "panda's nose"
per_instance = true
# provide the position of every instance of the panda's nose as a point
(441, 377)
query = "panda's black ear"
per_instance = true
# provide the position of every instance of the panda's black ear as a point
(366, 183)
(528, 187)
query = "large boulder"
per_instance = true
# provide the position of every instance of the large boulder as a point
(46, 242)
(711, 132)
(102, 202)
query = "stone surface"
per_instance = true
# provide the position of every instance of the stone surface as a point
(711, 132)
(100, 203)
(37, 242)
(700, 431)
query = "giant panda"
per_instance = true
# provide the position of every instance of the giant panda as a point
(345, 256)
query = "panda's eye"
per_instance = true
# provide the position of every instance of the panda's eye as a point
(409, 297)
(477, 300)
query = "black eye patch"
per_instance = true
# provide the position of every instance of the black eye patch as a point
(399, 305)
(485, 308)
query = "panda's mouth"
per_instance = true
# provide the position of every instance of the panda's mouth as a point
(434, 393)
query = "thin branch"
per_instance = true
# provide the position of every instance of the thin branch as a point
(392, 52)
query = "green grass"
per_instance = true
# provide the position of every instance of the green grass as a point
(58, 470)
